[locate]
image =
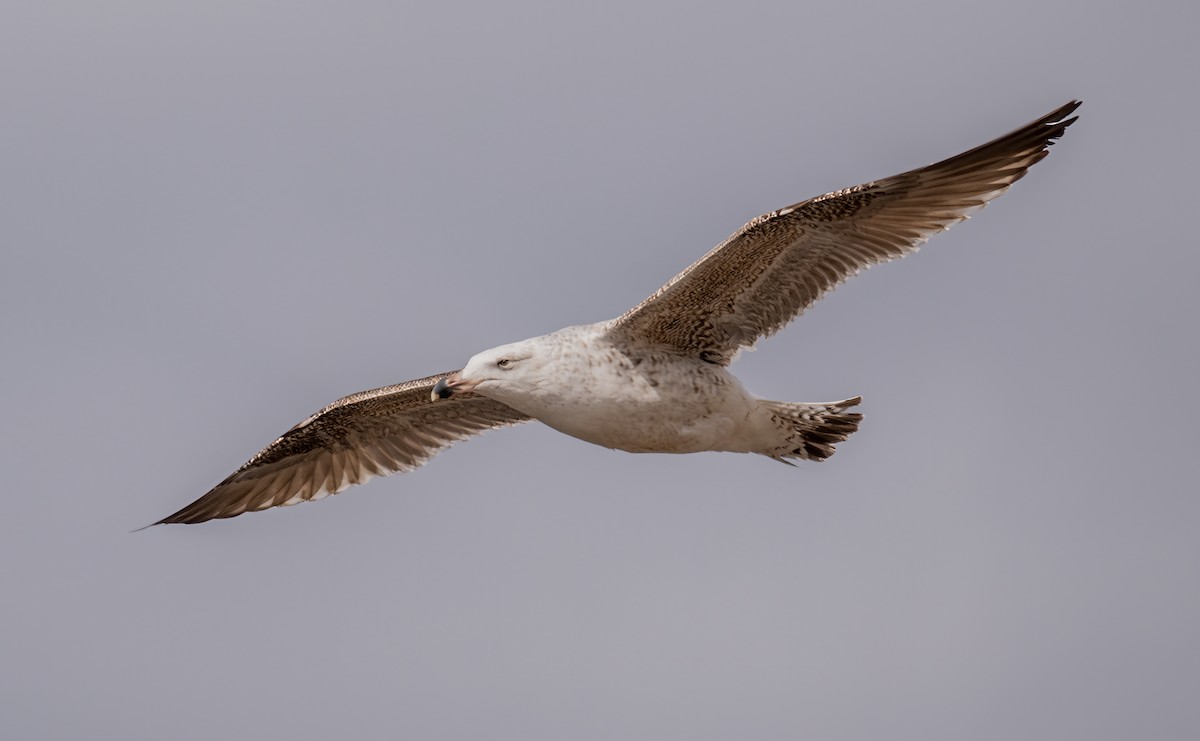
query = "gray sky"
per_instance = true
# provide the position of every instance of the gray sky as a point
(219, 217)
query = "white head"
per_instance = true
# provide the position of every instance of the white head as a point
(507, 373)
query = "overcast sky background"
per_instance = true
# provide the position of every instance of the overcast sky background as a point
(218, 217)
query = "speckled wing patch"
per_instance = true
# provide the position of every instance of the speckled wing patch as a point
(780, 263)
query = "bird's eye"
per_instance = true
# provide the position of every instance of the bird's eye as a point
(504, 363)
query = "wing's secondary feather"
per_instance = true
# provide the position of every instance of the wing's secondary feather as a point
(780, 263)
(368, 434)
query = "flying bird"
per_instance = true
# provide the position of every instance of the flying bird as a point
(656, 379)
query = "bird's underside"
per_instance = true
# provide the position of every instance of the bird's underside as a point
(746, 288)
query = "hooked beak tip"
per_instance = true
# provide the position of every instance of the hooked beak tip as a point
(445, 387)
(441, 390)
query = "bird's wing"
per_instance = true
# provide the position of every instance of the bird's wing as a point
(368, 434)
(780, 263)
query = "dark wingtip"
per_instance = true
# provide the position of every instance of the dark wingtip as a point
(1058, 120)
(168, 520)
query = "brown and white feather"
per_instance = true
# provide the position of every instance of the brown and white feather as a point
(779, 264)
(354, 439)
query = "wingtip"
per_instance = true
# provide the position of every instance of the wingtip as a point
(1059, 118)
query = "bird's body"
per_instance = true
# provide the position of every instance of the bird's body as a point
(586, 383)
(637, 399)
(654, 380)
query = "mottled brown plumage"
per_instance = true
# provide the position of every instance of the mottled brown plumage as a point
(364, 435)
(779, 264)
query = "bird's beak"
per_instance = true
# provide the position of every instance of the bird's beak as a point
(449, 385)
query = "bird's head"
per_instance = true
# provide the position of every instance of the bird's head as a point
(503, 373)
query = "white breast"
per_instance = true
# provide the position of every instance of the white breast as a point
(635, 399)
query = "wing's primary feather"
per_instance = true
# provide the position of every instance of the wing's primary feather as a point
(368, 434)
(780, 263)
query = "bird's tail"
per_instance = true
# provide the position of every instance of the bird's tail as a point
(809, 431)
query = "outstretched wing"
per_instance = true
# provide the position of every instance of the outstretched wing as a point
(371, 433)
(780, 263)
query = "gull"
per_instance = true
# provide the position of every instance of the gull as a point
(654, 380)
